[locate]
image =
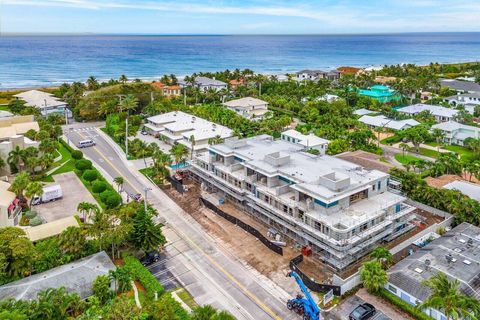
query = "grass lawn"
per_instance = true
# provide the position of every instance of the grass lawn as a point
(187, 298)
(428, 153)
(66, 164)
(432, 144)
(459, 150)
(405, 159)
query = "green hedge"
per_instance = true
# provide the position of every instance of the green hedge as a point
(140, 273)
(402, 305)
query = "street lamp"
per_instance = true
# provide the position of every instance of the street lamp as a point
(145, 190)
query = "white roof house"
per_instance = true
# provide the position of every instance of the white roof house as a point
(250, 108)
(440, 113)
(310, 141)
(468, 100)
(177, 126)
(204, 83)
(460, 86)
(328, 97)
(469, 189)
(46, 102)
(382, 121)
(456, 133)
(363, 111)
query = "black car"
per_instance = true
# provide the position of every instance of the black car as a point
(362, 312)
(150, 257)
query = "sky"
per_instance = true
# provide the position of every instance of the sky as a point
(238, 16)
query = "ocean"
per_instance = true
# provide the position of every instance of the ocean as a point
(31, 61)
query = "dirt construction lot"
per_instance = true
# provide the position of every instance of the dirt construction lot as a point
(73, 191)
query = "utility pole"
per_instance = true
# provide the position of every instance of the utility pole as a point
(260, 89)
(126, 135)
(185, 96)
(145, 190)
(151, 96)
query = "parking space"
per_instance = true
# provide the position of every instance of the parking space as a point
(149, 139)
(73, 192)
(342, 311)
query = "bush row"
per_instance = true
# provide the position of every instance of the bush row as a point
(148, 281)
(402, 305)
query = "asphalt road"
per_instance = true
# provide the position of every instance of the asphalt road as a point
(193, 258)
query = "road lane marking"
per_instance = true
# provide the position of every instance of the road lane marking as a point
(219, 267)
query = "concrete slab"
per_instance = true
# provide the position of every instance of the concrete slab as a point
(74, 192)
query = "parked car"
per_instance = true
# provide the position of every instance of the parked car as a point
(150, 257)
(50, 193)
(362, 312)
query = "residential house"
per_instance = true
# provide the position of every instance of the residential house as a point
(236, 82)
(440, 113)
(363, 111)
(310, 141)
(457, 133)
(314, 75)
(180, 127)
(10, 209)
(339, 209)
(47, 103)
(380, 93)
(468, 100)
(349, 70)
(467, 188)
(384, 80)
(169, 91)
(384, 122)
(204, 84)
(456, 254)
(12, 134)
(76, 277)
(460, 86)
(250, 108)
(328, 97)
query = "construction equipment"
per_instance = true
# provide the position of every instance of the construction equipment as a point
(303, 305)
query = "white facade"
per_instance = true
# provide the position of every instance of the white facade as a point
(47, 103)
(10, 210)
(250, 108)
(468, 100)
(314, 75)
(384, 122)
(440, 113)
(341, 210)
(180, 127)
(310, 141)
(204, 84)
(457, 133)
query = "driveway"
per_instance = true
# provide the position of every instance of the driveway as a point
(73, 191)
(149, 139)
(342, 311)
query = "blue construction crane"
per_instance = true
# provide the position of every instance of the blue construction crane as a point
(303, 305)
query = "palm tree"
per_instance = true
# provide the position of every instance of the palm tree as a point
(122, 279)
(192, 143)
(404, 147)
(92, 83)
(379, 131)
(383, 255)
(179, 152)
(20, 183)
(87, 209)
(215, 140)
(374, 277)
(33, 189)
(446, 297)
(123, 79)
(438, 135)
(119, 181)
(129, 102)
(71, 240)
(15, 158)
(205, 312)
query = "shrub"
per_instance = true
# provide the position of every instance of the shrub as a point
(30, 214)
(148, 281)
(83, 164)
(36, 221)
(99, 186)
(110, 198)
(404, 306)
(77, 154)
(90, 175)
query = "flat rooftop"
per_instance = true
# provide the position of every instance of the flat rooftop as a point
(461, 245)
(469, 189)
(76, 277)
(6, 196)
(433, 109)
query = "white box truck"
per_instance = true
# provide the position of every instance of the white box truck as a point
(50, 193)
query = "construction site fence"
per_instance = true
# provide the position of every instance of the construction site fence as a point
(244, 226)
(176, 184)
(311, 284)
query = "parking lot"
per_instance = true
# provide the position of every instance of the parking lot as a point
(73, 192)
(342, 311)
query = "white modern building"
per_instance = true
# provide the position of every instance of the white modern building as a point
(250, 108)
(457, 133)
(469, 189)
(440, 113)
(460, 86)
(314, 75)
(180, 127)
(468, 100)
(456, 254)
(10, 210)
(339, 209)
(12, 131)
(204, 84)
(47, 103)
(310, 141)
(381, 121)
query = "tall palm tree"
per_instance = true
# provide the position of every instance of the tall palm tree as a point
(33, 189)
(445, 296)
(15, 158)
(122, 279)
(129, 102)
(119, 181)
(123, 79)
(438, 135)
(374, 277)
(179, 152)
(20, 183)
(87, 209)
(92, 83)
(383, 255)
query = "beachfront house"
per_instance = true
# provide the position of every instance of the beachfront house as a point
(310, 141)
(460, 86)
(248, 107)
(455, 254)
(47, 103)
(180, 127)
(381, 93)
(440, 113)
(457, 133)
(315, 75)
(204, 84)
(468, 100)
(381, 121)
(168, 91)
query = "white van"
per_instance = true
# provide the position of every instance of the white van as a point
(86, 143)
